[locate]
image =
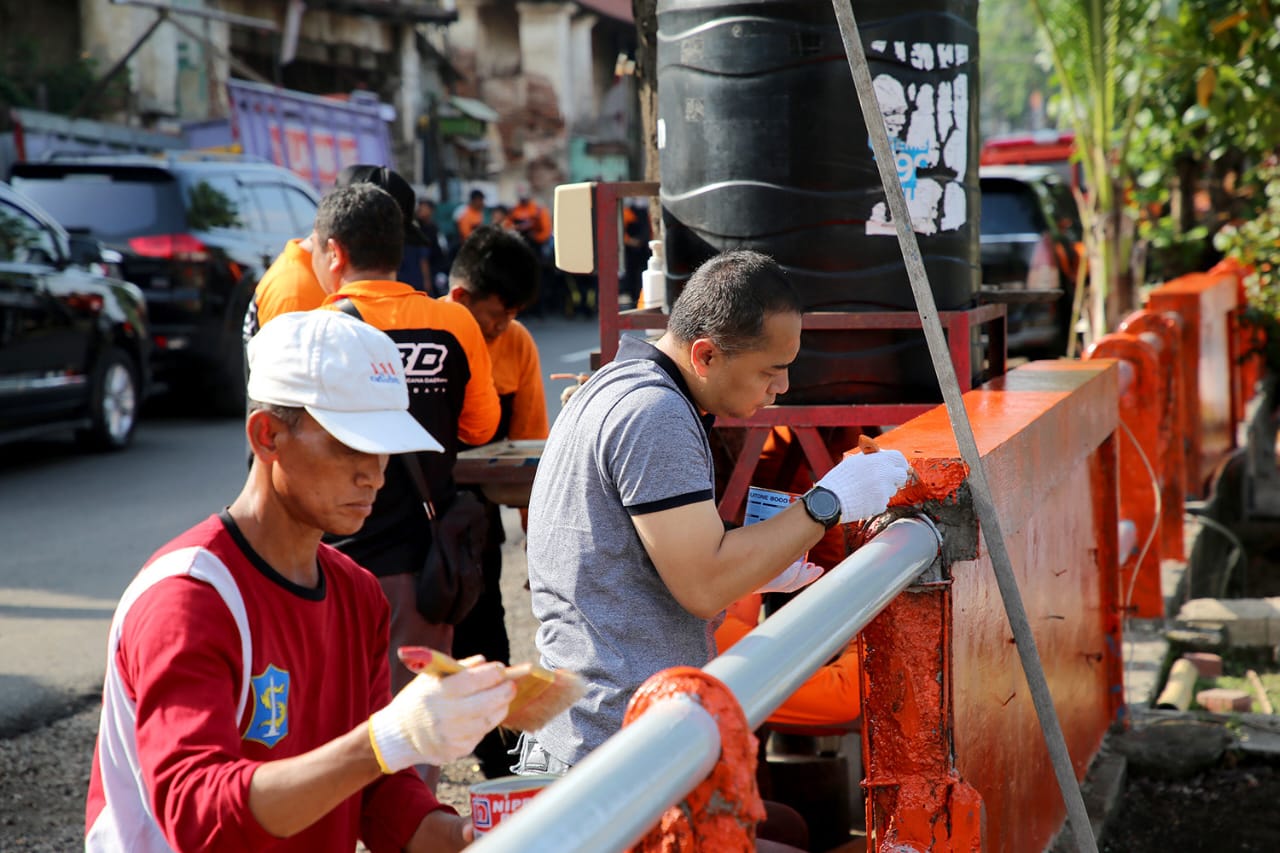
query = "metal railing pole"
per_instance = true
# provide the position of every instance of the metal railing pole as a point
(616, 795)
(608, 802)
(766, 666)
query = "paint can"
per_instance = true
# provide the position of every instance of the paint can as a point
(497, 799)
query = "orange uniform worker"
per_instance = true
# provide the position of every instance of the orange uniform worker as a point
(831, 696)
(356, 252)
(471, 217)
(289, 284)
(496, 275)
(531, 219)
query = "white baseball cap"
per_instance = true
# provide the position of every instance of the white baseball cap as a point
(344, 372)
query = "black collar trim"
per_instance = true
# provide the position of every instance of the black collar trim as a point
(237, 536)
(633, 347)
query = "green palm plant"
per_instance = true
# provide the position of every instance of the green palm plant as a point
(1096, 48)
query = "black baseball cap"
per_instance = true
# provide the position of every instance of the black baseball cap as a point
(396, 186)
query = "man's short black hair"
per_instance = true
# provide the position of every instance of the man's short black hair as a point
(496, 262)
(476, 194)
(366, 221)
(728, 298)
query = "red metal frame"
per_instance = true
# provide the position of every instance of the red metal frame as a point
(803, 420)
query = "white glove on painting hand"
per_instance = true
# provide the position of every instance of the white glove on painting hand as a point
(436, 720)
(864, 482)
(796, 576)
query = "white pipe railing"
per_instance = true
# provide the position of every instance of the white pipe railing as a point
(617, 793)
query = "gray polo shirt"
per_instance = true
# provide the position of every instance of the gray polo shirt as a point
(629, 442)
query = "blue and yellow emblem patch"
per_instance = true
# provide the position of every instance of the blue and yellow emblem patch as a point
(270, 720)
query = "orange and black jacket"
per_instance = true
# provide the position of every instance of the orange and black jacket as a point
(451, 393)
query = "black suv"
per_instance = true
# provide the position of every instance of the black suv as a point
(74, 348)
(195, 232)
(1030, 236)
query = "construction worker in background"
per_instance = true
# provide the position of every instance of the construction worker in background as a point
(470, 217)
(356, 252)
(496, 276)
(531, 220)
(289, 283)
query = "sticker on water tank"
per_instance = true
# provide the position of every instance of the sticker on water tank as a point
(662, 134)
(927, 125)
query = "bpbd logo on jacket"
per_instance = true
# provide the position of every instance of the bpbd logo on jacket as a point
(422, 358)
(270, 720)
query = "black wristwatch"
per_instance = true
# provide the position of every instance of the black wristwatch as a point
(823, 506)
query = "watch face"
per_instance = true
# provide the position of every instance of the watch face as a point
(823, 505)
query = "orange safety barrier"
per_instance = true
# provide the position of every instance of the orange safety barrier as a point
(1247, 365)
(955, 757)
(1164, 332)
(1206, 302)
(1142, 405)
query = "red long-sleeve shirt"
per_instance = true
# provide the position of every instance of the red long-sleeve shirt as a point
(181, 736)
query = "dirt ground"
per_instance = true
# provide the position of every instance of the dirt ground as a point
(1228, 809)
(1232, 807)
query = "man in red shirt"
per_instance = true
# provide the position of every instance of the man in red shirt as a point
(246, 697)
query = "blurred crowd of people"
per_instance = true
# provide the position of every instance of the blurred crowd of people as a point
(559, 293)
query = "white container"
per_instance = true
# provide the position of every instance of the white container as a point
(653, 281)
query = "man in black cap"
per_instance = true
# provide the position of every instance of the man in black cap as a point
(290, 285)
(414, 264)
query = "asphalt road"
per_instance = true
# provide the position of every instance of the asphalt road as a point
(75, 527)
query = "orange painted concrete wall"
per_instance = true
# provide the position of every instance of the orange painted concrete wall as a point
(1046, 432)
(1207, 303)
(1146, 417)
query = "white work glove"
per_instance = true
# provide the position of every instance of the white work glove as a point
(436, 720)
(864, 482)
(796, 576)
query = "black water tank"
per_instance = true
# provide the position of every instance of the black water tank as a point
(763, 146)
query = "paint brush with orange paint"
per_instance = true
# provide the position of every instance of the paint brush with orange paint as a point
(540, 693)
(913, 492)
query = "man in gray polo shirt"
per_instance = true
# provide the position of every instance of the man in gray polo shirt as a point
(630, 566)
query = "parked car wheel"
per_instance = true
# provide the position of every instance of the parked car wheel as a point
(113, 403)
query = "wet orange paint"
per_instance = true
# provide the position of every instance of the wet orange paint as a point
(955, 756)
(722, 812)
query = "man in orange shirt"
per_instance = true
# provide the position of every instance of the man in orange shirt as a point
(831, 697)
(471, 217)
(290, 285)
(495, 276)
(356, 251)
(531, 220)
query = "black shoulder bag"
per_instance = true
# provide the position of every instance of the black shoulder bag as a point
(451, 580)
